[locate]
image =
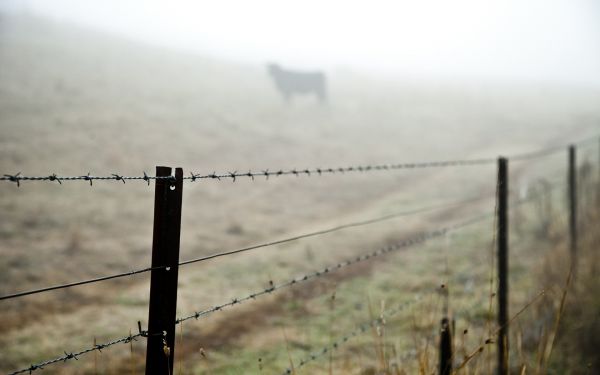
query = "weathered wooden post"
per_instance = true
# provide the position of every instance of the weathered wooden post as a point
(502, 266)
(572, 177)
(160, 350)
(445, 348)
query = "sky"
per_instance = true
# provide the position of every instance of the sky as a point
(534, 40)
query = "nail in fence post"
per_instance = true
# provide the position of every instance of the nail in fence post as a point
(160, 350)
(502, 266)
(573, 207)
(445, 348)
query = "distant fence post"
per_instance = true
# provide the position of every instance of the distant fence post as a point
(160, 350)
(573, 207)
(445, 348)
(502, 266)
(598, 182)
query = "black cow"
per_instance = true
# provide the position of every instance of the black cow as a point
(290, 82)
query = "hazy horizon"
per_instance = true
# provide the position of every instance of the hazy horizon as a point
(537, 41)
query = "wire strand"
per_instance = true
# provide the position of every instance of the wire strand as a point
(230, 252)
(330, 230)
(75, 355)
(233, 176)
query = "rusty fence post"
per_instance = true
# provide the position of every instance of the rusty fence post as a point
(445, 348)
(502, 266)
(160, 350)
(572, 178)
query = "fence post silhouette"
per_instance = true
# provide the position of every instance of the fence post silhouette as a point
(160, 350)
(598, 180)
(502, 266)
(445, 348)
(572, 176)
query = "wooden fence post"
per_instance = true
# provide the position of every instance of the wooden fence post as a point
(502, 266)
(573, 208)
(445, 348)
(160, 350)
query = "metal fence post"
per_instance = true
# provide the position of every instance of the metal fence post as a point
(445, 348)
(160, 350)
(573, 207)
(502, 266)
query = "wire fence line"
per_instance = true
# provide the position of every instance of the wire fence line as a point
(244, 249)
(248, 248)
(233, 176)
(266, 173)
(17, 178)
(327, 270)
(420, 238)
(254, 247)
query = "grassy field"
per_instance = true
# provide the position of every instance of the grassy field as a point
(74, 101)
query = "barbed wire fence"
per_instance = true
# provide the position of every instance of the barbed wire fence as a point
(17, 178)
(165, 267)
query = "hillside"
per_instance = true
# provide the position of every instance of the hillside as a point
(74, 101)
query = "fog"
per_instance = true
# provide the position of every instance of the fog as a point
(537, 40)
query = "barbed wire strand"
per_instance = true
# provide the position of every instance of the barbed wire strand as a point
(17, 178)
(278, 242)
(75, 355)
(233, 176)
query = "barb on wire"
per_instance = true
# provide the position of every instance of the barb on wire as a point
(290, 239)
(13, 178)
(361, 328)
(329, 269)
